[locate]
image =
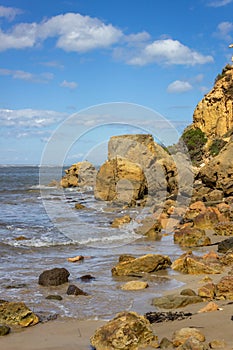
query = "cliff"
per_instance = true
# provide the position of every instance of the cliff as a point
(214, 113)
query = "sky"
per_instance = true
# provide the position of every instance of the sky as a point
(75, 72)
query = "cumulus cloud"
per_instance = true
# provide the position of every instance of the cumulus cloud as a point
(179, 86)
(169, 51)
(73, 32)
(29, 118)
(219, 3)
(23, 75)
(224, 31)
(9, 12)
(69, 84)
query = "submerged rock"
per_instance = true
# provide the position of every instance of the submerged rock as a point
(117, 222)
(145, 263)
(17, 314)
(127, 331)
(134, 285)
(53, 277)
(74, 290)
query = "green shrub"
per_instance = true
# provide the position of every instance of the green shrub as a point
(195, 140)
(216, 146)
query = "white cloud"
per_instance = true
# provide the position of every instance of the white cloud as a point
(169, 51)
(138, 37)
(73, 32)
(179, 86)
(9, 12)
(219, 3)
(22, 75)
(29, 118)
(69, 84)
(224, 30)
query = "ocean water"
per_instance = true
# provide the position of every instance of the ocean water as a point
(33, 207)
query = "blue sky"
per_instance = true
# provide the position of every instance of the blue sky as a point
(60, 57)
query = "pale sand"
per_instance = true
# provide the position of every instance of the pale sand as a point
(73, 334)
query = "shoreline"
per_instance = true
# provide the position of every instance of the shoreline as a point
(73, 333)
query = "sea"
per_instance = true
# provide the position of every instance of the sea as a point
(40, 229)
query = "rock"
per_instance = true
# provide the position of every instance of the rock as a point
(79, 174)
(225, 245)
(87, 278)
(179, 337)
(211, 306)
(224, 288)
(128, 330)
(188, 292)
(191, 237)
(224, 228)
(227, 258)
(76, 258)
(54, 277)
(213, 196)
(157, 317)
(218, 344)
(193, 344)
(218, 173)
(165, 344)
(188, 263)
(117, 222)
(134, 285)
(145, 263)
(207, 291)
(175, 301)
(80, 206)
(74, 290)
(150, 227)
(21, 238)
(17, 314)
(207, 219)
(120, 180)
(195, 209)
(4, 330)
(54, 297)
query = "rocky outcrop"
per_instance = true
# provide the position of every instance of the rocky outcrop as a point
(136, 167)
(54, 277)
(214, 113)
(128, 330)
(79, 174)
(145, 263)
(17, 314)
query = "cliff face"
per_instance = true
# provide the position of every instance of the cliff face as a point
(214, 113)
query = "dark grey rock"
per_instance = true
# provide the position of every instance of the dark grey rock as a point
(54, 277)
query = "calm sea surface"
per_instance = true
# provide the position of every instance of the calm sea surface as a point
(53, 231)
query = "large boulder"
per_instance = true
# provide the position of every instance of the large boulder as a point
(127, 331)
(120, 180)
(17, 314)
(146, 263)
(53, 277)
(79, 174)
(183, 335)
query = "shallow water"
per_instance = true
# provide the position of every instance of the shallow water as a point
(53, 231)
